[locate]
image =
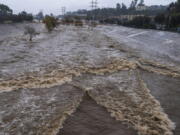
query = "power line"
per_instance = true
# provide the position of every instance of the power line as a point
(94, 6)
(63, 10)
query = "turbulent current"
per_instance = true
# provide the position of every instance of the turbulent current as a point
(71, 75)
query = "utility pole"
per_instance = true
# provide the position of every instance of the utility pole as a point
(94, 5)
(63, 11)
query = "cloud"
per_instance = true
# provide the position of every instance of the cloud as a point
(54, 6)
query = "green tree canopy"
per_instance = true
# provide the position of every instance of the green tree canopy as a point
(118, 7)
(160, 19)
(4, 10)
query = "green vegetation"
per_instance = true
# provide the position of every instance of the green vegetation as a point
(40, 16)
(6, 15)
(68, 20)
(78, 23)
(160, 19)
(30, 31)
(4, 10)
(121, 9)
(170, 18)
(137, 15)
(50, 22)
(141, 22)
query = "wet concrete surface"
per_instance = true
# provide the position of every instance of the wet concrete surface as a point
(167, 91)
(93, 119)
(160, 46)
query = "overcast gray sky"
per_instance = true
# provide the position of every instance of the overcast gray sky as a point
(54, 6)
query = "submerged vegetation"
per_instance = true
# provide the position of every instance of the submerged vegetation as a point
(50, 22)
(30, 31)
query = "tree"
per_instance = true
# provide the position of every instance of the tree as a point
(6, 14)
(124, 8)
(118, 7)
(178, 6)
(160, 19)
(171, 7)
(24, 16)
(68, 20)
(78, 22)
(30, 31)
(141, 3)
(135, 1)
(133, 4)
(40, 16)
(51, 15)
(5, 10)
(141, 22)
(174, 20)
(174, 7)
(50, 22)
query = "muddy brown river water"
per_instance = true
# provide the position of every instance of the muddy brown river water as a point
(92, 119)
(75, 81)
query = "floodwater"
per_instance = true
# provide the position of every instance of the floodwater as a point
(160, 46)
(167, 91)
(92, 119)
(73, 79)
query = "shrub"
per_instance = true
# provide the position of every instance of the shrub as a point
(16, 18)
(94, 24)
(174, 20)
(141, 22)
(30, 31)
(50, 22)
(78, 23)
(160, 19)
(68, 20)
(23, 16)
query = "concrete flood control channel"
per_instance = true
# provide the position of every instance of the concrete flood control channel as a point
(132, 86)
